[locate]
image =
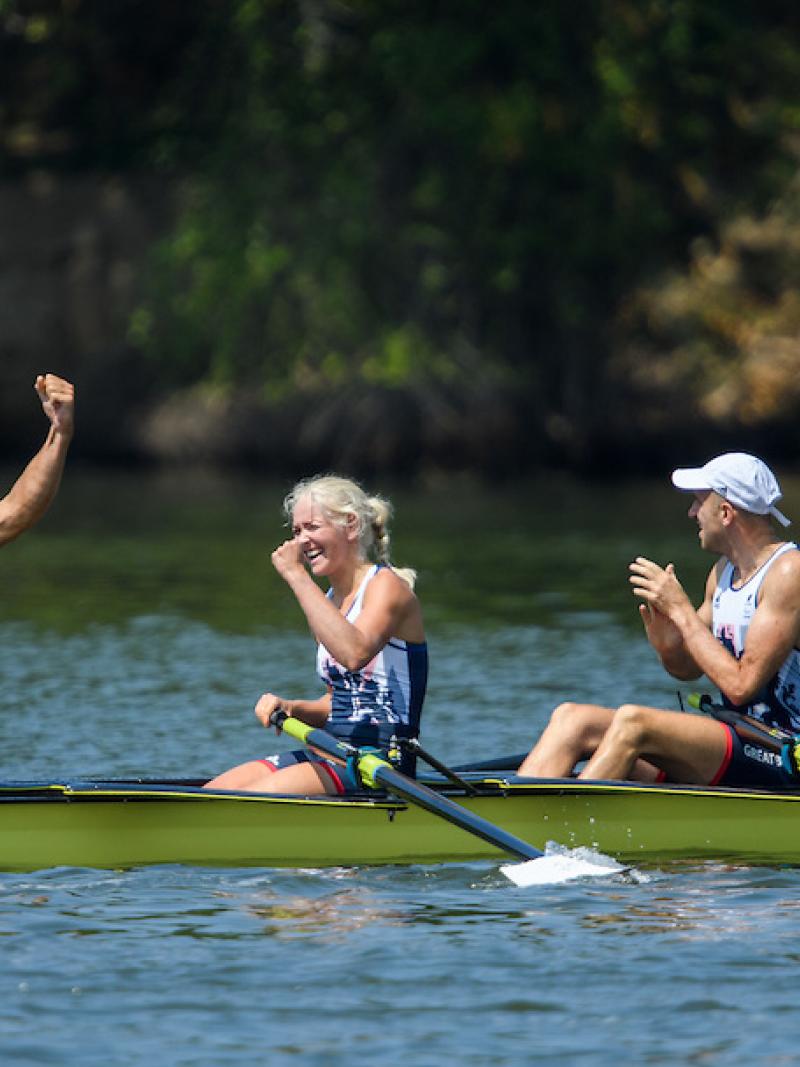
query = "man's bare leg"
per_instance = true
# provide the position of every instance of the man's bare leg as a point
(573, 734)
(688, 748)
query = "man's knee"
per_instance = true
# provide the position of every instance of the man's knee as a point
(579, 722)
(562, 712)
(567, 718)
(631, 721)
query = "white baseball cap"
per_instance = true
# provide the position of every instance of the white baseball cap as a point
(742, 479)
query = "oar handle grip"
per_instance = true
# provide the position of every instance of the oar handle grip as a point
(305, 734)
(278, 718)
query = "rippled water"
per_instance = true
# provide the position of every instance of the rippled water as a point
(170, 965)
(179, 966)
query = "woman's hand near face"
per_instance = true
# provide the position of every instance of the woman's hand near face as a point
(287, 559)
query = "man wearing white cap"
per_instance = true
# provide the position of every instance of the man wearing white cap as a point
(33, 492)
(744, 638)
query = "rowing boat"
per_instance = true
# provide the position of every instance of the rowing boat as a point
(131, 822)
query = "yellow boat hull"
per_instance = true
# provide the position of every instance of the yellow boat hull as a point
(124, 824)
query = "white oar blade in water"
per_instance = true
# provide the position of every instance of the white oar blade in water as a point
(562, 865)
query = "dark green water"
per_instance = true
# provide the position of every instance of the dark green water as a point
(115, 548)
(142, 620)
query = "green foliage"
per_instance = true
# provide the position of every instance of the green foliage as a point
(373, 192)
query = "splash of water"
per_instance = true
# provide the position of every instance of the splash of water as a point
(559, 864)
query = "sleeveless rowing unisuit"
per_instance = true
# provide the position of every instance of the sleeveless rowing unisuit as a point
(383, 698)
(778, 703)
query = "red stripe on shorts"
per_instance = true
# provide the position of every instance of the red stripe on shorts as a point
(726, 760)
(334, 777)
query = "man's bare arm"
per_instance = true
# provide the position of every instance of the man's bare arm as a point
(773, 631)
(34, 490)
(663, 634)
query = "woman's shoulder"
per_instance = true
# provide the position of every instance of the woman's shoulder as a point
(387, 579)
(393, 593)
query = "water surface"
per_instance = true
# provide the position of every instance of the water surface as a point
(142, 620)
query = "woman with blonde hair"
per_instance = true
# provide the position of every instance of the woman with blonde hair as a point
(371, 648)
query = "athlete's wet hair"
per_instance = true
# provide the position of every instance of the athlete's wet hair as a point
(340, 498)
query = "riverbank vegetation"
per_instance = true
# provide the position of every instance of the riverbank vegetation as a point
(413, 237)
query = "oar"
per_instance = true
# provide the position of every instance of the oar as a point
(748, 728)
(500, 763)
(538, 868)
(411, 744)
(374, 770)
(772, 738)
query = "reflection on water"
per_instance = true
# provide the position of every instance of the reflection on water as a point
(328, 919)
(116, 547)
(142, 620)
(446, 962)
(667, 917)
(711, 903)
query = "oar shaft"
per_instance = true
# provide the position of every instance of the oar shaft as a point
(381, 771)
(748, 728)
(414, 746)
(432, 801)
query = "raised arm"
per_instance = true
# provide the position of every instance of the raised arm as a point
(773, 631)
(390, 609)
(662, 593)
(33, 492)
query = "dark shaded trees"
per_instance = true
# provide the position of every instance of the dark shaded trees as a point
(450, 206)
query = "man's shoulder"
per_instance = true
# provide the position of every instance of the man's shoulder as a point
(786, 559)
(783, 574)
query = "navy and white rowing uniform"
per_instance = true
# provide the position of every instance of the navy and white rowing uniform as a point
(369, 706)
(778, 703)
(747, 763)
(383, 698)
